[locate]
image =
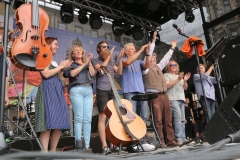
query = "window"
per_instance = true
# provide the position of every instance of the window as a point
(227, 6)
(62, 26)
(234, 34)
(216, 10)
(79, 30)
(94, 33)
(108, 37)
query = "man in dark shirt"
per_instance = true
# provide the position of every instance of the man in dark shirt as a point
(198, 118)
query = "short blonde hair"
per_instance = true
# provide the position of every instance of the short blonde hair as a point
(83, 52)
(167, 68)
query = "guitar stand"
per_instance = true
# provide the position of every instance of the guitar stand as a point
(148, 97)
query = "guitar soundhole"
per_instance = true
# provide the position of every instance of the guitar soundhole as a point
(123, 111)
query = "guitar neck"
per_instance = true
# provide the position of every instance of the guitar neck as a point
(116, 95)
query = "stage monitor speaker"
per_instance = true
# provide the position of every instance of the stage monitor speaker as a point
(226, 119)
(229, 63)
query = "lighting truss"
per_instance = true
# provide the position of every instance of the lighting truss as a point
(117, 14)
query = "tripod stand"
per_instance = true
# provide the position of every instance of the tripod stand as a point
(3, 83)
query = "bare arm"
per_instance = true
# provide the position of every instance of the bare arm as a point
(134, 57)
(210, 69)
(118, 69)
(171, 84)
(46, 73)
(186, 77)
(147, 62)
(193, 121)
(6, 92)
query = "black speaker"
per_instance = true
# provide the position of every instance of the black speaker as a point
(229, 63)
(226, 119)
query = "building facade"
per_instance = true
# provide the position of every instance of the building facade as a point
(229, 28)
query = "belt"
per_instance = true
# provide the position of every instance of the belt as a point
(162, 92)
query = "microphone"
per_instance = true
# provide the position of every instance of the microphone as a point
(176, 27)
(235, 46)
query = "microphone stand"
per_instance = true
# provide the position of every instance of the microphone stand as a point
(194, 44)
(3, 147)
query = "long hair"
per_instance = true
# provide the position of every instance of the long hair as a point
(99, 44)
(83, 52)
(167, 68)
(49, 40)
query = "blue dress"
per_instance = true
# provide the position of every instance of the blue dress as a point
(51, 106)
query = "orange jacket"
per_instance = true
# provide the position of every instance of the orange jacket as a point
(188, 49)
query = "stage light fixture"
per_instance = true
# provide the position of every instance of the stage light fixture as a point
(82, 16)
(95, 21)
(173, 11)
(189, 16)
(66, 13)
(18, 3)
(117, 27)
(127, 29)
(137, 33)
(153, 5)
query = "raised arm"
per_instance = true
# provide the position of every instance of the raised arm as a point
(134, 57)
(162, 64)
(118, 69)
(210, 69)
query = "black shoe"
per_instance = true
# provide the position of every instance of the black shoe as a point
(106, 150)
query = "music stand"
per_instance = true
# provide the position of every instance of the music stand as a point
(148, 97)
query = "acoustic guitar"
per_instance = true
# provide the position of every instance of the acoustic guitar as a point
(124, 126)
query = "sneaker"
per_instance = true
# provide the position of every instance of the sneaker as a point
(192, 143)
(137, 148)
(106, 150)
(148, 147)
(179, 142)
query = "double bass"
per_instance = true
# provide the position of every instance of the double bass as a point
(124, 126)
(29, 50)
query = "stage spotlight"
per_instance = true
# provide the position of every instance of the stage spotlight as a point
(117, 27)
(82, 16)
(137, 33)
(173, 11)
(153, 4)
(66, 13)
(18, 3)
(127, 29)
(95, 21)
(189, 16)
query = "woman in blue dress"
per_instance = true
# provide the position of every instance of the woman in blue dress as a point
(51, 114)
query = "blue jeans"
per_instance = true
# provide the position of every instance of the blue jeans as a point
(82, 104)
(142, 105)
(210, 108)
(178, 113)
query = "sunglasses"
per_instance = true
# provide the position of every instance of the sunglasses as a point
(173, 64)
(105, 47)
